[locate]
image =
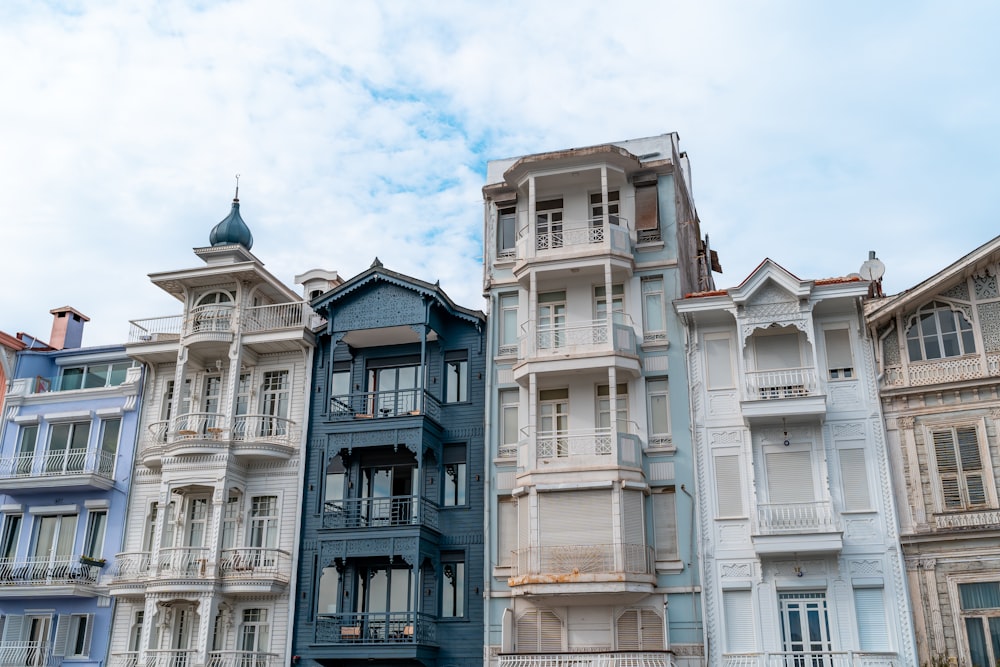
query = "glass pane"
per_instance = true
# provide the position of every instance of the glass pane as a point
(329, 583)
(72, 378)
(977, 642)
(659, 423)
(720, 368)
(985, 595)
(97, 376)
(118, 372)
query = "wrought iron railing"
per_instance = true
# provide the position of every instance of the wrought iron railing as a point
(39, 571)
(786, 383)
(382, 404)
(811, 659)
(130, 566)
(595, 659)
(380, 512)
(216, 317)
(404, 627)
(255, 563)
(59, 463)
(275, 316)
(174, 657)
(242, 659)
(209, 425)
(265, 428)
(585, 559)
(156, 329)
(124, 659)
(814, 517)
(183, 561)
(582, 336)
(25, 654)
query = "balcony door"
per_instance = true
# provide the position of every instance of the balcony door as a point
(553, 422)
(67, 447)
(385, 597)
(211, 400)
(39, 632)
(549, 227)
(393, 389)
(805, 629)
(53, 542)
(551, 320)
(182, 636)
(274, 396)
(779, 364)
(387, 492)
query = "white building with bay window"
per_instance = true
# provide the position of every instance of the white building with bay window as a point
(800, 552)
(938, 354)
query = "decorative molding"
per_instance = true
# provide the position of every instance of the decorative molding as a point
(732, 437)
(904, 423)
(849, 430)
(866, 567)
(735, 570)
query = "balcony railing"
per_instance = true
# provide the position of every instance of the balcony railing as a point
(217, 318)
(380, 512)
(174, 657)
(572, 236)
(787, 383)
(381, 404)
(814, 517)
(811, 659)
(583, 446)
(975, 519)
(131, 566)
(265, 428)
(65, 462)
(184, 561)
(209, 425)
(27, 654)
(585, 559)
(156, 329)
(600, 335)
(241, 659)
(404, 627)
(124, 659)
(275, 316)
(952, 369)
(602, 659)
(35, 571)
(255, 563)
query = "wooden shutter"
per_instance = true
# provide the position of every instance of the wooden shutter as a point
(628, 631)
(538, 631)
(738, 611)
(729, 485)
(960, 469)
(790, 477)
(526, 640)
(89, 632)
(947, 467)
(972, 465)
(62, 632)
(646, 208)
(869, 606)
(854, 479)
(665, 525)
(651, 630)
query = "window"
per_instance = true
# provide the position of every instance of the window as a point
(9, 538)
(654, 311)
(27, 440)
(110, 429)
(168, 400)
(959, 467)
(553, 423)
(456, 376)
(597, 210)
(93, 545)
(264, 522)
(67, 447)
(509, 403)
(639, 630)
(73, 632)
(937, 331)
(729, 486)
(873, 631)
(854, 478)
(452, 586)
(53, 538)
(135, 633)
(384, 587)
(255, 631)
(551, 320)
(94, 376)
(658, 405)
(340, 382)
(149, 534)
(665, 524)
(617, 304)
(538, 631)
(647, 222)
(980, 603)
(454, 480)
(720, 361)
(549, 219)
(789, 476)
(508, 325)
(329, 591)
(737, 610)
(506, 530)
(506, 233)
(571, 519)
(197, 522)
(621, 406)
(230, 518)
(839, 361)
(336, 476)
(392, 383)
(274, 394)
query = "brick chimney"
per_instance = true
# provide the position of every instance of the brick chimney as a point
(67, 328)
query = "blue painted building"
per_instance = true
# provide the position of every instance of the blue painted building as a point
(66, 449)
(391, 568)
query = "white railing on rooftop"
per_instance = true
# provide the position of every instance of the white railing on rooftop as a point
(276, 316)
(155, 329)
(595, 659)
(786, 383)
(814, 517)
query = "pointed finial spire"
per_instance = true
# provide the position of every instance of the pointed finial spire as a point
(376, 264)
(236, 198)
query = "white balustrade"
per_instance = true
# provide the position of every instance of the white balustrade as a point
(811, 658)
(813, 517)
(275, 316)
(785, 383)
(588, 659)
(28, 654)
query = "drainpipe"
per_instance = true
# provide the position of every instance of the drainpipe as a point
(488, 440)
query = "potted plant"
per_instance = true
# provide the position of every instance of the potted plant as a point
(96, 562)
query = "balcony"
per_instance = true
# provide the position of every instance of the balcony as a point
(33, 654)
(584, 447)
(576, 345)
(602, 659)
(252, 436)
(20, 577)
(788, 392)
(583, 568)
(255, 569)
(402, 627)
(183, 562)
(264, 436)
(573, 239)
(124, 659)
(384, 404)
(395, 511)
(811, 659)
(130, 566)
(174, 657)
(242, 659)
(797, 528)
(82, 468)
(939, 371)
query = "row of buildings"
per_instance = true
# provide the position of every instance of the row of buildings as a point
(620, 466)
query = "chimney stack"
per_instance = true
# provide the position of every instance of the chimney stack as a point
(67, 328)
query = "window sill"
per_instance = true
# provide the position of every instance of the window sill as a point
(504, 261)
(655, 344)
(502, 572)
(649, 246)
(661, 449)
(670, 566)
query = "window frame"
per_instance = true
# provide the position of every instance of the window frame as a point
(507, 305)
(658, 438)
(844, 373)
(986, 467)
(456, 380)
(460, 585)
(505, 215)
(731, 382)
(96, 532)
(652, 335)
(113, 373)
(937, 309)
(460, 477)
(505, 440)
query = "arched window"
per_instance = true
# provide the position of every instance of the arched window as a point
(214, 298)
(937, 331)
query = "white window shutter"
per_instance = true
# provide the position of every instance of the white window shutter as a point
(873, 632)
(854, 479)
(88, 635)
(62, 633)
(738, 612)
(972, 464)
(633, 518)
(526, 640)
(507, 531)
(574, 518)
(790, 477)
(651, 630)
(628, 631)
(550, 632)
(665, 525)
(12, 628)
(729, 485)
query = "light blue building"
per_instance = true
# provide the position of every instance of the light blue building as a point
(66, 446)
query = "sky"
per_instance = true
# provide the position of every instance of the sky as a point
(816, 132)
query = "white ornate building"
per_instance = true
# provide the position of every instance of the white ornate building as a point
(938, 354)
(205, 576)
(800, 553)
